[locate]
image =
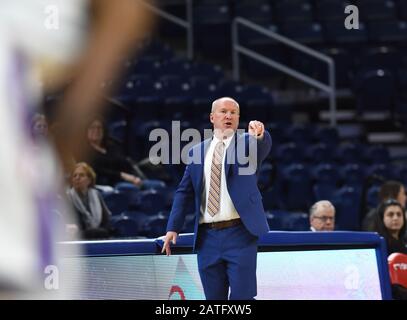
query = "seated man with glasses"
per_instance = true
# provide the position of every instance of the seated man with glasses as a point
(322, 216)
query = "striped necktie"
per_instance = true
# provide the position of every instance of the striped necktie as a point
(214, 186)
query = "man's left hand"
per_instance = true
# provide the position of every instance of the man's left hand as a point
(256, 129)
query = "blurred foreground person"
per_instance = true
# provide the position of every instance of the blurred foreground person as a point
(43, 44)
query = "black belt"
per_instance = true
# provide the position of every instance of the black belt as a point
(222, 224)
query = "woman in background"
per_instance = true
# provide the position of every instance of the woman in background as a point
(92, 213)
(39, 126)
(391, 224)
(110, 165)
(389, 190)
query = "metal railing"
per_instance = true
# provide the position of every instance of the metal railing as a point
(237, 48)
(187, 24)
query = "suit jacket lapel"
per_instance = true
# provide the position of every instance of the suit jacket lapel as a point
(200, 167)
(230, 157)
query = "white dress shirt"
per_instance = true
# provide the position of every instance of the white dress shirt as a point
(227, 210)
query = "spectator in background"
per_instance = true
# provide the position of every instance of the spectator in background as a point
(39, 126)
(389, 190)
(109, 163)
(93, 215)
(322, 216)
(391, 224)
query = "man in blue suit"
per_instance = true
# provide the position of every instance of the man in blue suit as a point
(222, 182)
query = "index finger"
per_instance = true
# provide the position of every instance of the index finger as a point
(165, 245)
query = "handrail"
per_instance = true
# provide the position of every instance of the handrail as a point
(187, 24)
(236, 49)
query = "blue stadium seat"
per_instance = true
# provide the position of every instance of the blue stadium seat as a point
(287, 220)
(350, 153)
(402, 9)
(378, 169)
(336, 34)
(256, 101)
(266, 47)
(377, 9)
(289, 153)
(297, 221)
(309, 66)
(299, 134)
(388, 32)
(126, 187)
(117, 130)
(212, 28)
(326, 172)
(275, 219)
(150, 201)
(203, 94)
(143, 130)
(347, 204)
(326, 135)
(126, 226)
(352, 174)
(330, 10)
(304, 32)
(212, 72)
(258, 41)
(257, 13)
(277, 131)
(143, 92)
(139, 218)
(383, 57)
(176, 95)
(155, 226)
(272, 198)
(231, 89)
(117, 202)
(377, 154)
(326, 179)
(265, 176)
(320, 153)
(400, 174)
(176, 67)
(156, 50)
(343, 65)
(375, 90)
(294, 10)
(297, 188)
(146, 66)
(372, 196)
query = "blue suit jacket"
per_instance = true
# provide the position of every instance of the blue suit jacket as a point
(242, 189)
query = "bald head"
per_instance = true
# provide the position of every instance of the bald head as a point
(224, 101)
(224, 117)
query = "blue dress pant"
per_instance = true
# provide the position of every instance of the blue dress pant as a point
(227, 259)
